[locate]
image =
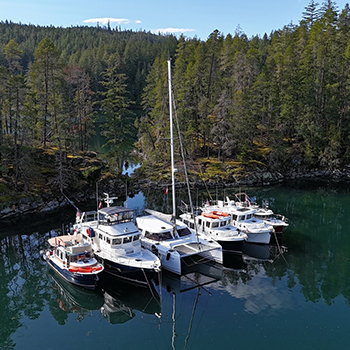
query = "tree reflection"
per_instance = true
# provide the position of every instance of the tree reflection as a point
(22, 289)
(316, 263)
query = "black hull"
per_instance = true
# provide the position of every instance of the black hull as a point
(232, 246)
(132, 275)
(85, 281)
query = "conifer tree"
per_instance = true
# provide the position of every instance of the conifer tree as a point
(119, 120)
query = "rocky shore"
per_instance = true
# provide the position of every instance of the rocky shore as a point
(51, 201)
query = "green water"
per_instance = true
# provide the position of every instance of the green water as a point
(298, 300)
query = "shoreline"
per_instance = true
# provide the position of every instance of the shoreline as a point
(51, 203)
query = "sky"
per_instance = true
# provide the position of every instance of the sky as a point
(188, 17)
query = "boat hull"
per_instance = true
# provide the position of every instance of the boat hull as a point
(256, 252)
(88, 281)
(259, 238)
(129, 274)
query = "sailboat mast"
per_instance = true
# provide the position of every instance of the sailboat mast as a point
(173, 170)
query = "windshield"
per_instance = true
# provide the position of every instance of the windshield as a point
(116, 218)
(184, 232)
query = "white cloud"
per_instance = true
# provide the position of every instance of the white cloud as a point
(106, 20)
(138, 21)
(172, 30)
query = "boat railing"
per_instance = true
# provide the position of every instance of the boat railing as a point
(281, 217)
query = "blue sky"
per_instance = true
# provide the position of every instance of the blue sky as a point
(190, 17)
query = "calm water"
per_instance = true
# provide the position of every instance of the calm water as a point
(298, 300)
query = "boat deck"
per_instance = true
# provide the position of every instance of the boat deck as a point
(191, 249)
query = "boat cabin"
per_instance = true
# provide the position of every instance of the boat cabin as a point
(159, 230)
(214, 224)
(243, 214)
(70, 249)
(115, 215)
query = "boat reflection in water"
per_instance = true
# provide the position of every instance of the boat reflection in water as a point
(194, 276)
(258, 253)
(117, 300)
(122, 299)
(72, 299)
(233, 261)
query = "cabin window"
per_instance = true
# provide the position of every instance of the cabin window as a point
(207, 224)
(136, 238)
(241, 217)
(199, 222)
(191, 225)
(234, 217)
(159, 236)
(249, 216)
(100, 236)
(184, 232)
(116, 218)
(127, 239)
(108, 240)
(116, 241)
(215, 224)
(223, 223)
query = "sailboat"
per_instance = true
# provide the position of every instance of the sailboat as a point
(173, 241)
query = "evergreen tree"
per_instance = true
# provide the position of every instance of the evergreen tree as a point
(119, 121)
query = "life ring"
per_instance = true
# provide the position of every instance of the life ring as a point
(88, 231)
(220, 213)
(210, 215)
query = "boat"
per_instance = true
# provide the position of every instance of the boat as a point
(242, 217)
(277, 221)
(73, 260)
(166, 235)
(216, 225)
(115, 240)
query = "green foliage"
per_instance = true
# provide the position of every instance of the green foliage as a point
(282, 99)
(54, 81)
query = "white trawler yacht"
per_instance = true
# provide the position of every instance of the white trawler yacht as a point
(116, 243)
(170, 238)
(243, 218)
(277, 221)
(216, 225)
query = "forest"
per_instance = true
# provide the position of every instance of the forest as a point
(281, 100)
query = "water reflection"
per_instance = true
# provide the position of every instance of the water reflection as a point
(68, 298)
(262, 282)
(121, 300)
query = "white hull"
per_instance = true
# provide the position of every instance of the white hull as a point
(260, 238)
(174, 251)
(172, 254)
